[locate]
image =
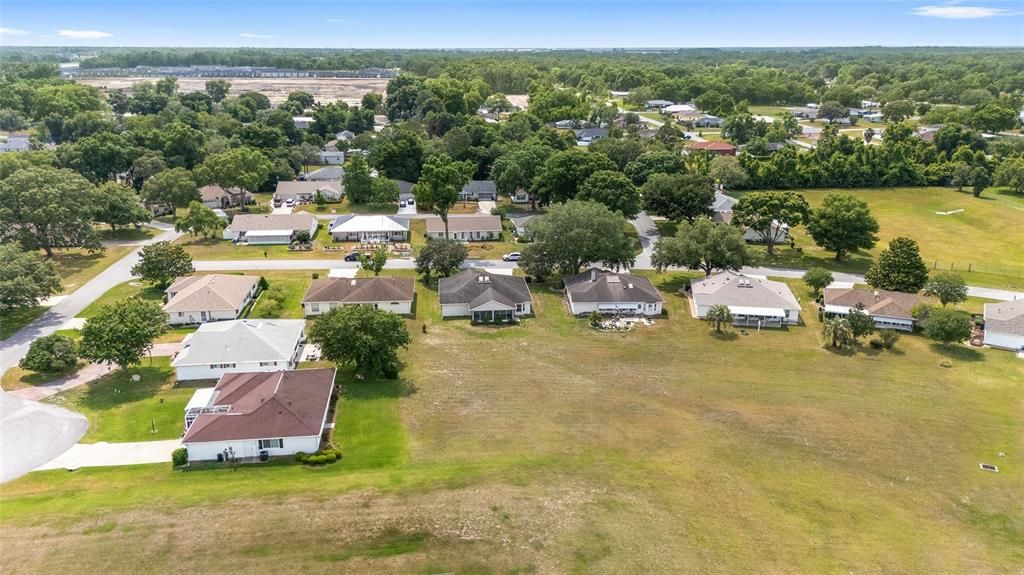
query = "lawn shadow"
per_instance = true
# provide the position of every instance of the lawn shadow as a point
(724, 335)
(376, 388)
(674, 284)
(957, 352)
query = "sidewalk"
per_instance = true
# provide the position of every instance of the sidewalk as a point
(105, 454)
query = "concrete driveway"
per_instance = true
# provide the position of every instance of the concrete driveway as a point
(33, 433)
(105, 454)
(406, 211)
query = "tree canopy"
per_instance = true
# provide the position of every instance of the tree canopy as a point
(576, 233)
(363, 336)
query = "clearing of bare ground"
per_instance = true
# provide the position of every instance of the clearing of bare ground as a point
(549, 447)
(348, 90)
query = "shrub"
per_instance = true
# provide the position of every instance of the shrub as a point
(50, 354)
(595, 319)
(302, 236)
(390, 370)
(264, 284)
(300, 456)
(179, 456)
(876, 343)
(316, 275)
(889, 338)
(331, 458)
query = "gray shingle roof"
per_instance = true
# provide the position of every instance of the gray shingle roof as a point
(467, 285)
(362, 290)
(478, 186)
(1005, 317)
(603, 286)
(466, 223)
(732, 289)
(328, 173)
(241, 341)
(252, 222)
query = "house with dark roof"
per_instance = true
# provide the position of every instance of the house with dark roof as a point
(753, 301)
(389, 293)
(325, 174)
(466, 228)
(1004, 325)
(889, 309)
(485, 296)
(720, 148)
(658, 104)
(585, 136)
(609, 292)
(479, 190)
(253, 414)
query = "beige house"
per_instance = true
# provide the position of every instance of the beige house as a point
(217, 197)
(305, 192)
(468, 228)
(753, 301)
(217, 297)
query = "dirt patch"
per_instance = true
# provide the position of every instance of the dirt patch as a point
(348, 90)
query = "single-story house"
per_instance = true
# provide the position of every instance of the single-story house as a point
(658, 104)
(609, 292)
(256, 229)
(332, 157)
(370, 229)
(346, 135)
(567, 124)
(677, 108)
(468, 228)
(217, 197)
(221, 214)
(805, 113)
(889, 309)
(325, 174)
(303, 122)
(484, 296)
(708, 121)
(753, 301)
(254, 413)
(857, 112)
(306, 191)
(404, 189)
(16, 143)
(521, 221)
(722, 213)
(870, 104)
(874, 117)
(214, 297)
(390, 293)
(688, 117)
(720, 148)
(479, 190)
(520, 196)
(240, 345)
(587, 135)
(1004, 325)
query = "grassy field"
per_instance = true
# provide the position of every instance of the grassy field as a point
(980, 237)
(293, 285)
(120, 409)
(16, 319)
(548, 447)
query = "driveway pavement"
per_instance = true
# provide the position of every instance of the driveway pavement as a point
(105, 454)
(648, 233)
(87, 374)
(485, 206)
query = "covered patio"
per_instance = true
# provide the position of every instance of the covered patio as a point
(757, 316)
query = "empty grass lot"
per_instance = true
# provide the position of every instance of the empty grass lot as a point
(551, 448)
(986, 235)
(292, 285)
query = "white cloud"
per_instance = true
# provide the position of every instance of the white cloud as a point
(954, 12)
(343, 21)
(84, 34)
(251, 35)
(13, 32)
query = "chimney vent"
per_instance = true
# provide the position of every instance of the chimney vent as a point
(593, 275)
(876, 295)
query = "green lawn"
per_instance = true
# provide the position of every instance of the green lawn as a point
(127, 234)
(131, 289)
(16, 319)
(17, 378)
(979, 242)
(76, 266)
(293, 285)
(120, 409)
(547, 447)
(347, 207)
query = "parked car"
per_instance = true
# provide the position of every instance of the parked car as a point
(511, 257)
(411, 202)
(352, 257)
(277, 202)
(289, 203)
(402, 204)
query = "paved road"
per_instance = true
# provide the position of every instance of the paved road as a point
(648, 233)
(33, 433)
(317, 264)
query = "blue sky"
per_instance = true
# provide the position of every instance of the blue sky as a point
(510, 23)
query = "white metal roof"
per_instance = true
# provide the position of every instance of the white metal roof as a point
(201, 398)
(368, 223)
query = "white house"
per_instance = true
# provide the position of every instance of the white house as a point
(240, 345)
(214, 297)
(215, 197)
(369, 228)
(301, 191)
(753, 301)
(889, 309)
(303, 122)
(479, 190)
(609, 292)
(332, 157)
(1004, 325)
(267, 229)
(467, 228)
(484, 296)
(254, 413)
(390, 293)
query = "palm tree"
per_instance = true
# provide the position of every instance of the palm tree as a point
(838, 332)
(718, 315)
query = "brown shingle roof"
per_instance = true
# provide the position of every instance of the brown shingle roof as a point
(363, 290)
(468, 223)
(602, 286)
(876, 302)
(266, 405)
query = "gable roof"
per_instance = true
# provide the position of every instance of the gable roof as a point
(292, 188)
(259, 222)
(213, 193)
(712, 146)
(327, 173)
(603, 286)
(362, 290)
(591, 133)
(404, 187)
(264, 405)
(1005, 317)
(876, 302)
(353, 223)
(240, 341)
(466, 223)
(733, 289)
(476, 286)
(209, 292)
(723, 202)
(477, 186)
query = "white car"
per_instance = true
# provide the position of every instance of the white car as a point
(511, 257)
(402, 204)
(290, 203)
